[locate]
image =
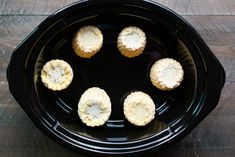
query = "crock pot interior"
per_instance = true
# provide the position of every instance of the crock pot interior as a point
(118, 75)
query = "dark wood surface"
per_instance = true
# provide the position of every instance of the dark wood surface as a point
(213, 137)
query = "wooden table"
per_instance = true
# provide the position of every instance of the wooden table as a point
(214, 137)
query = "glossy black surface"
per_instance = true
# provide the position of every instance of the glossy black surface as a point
(55, 113)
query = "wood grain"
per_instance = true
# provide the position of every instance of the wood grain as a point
(217, 31)
(25, 7)
(182, 7)
(213, 137)
(212, 134)
(20, 138)
(219, 34)
(200, 7)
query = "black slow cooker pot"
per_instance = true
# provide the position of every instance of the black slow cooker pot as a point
(168, 35)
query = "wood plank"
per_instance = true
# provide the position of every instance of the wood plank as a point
(200, 7)
(219, 34)
(16, 28)
(5, 96)
(212, 135)
(20, 137)
(217, 31)
(175, 152)
(25, 7)
(183, 7)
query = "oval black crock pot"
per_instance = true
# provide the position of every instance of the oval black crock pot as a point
(168, 35)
